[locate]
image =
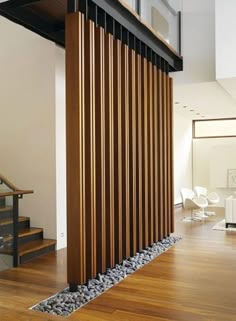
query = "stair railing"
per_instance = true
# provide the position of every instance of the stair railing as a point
(17, 194)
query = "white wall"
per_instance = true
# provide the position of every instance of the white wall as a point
(211, 159)
(198, 42)
(182, 155)
(225, 25)
(60, 146)
(28, 101)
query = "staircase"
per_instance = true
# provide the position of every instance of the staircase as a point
(30, 240)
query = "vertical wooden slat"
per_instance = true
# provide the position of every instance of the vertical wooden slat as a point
(139, 151)
(160, 152)
(172, 154)
(144, 90)
(118, 152)
(168, 155)
(109, 143)
(133, 151)
(76, 256)
(155, 154)
(90, 151)
(125, 148)
(150, 155)
(100, 149)
(164, 154)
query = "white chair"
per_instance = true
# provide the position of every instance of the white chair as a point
(212, 198)
(190, 202)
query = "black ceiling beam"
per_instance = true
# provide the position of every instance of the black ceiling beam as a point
(17, 3)
(127, 20)
(51, 31)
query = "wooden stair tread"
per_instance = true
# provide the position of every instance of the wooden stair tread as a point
(5, 208)
(29, 231)
(34, 246)
(25, 232)
(7, 221)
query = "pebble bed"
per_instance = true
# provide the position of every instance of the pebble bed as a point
(66, 302)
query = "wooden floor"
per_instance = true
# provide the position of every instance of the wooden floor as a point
(194, 280)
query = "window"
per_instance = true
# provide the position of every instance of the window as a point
(214, 128)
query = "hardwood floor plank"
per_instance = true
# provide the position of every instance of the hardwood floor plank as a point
(192, 281)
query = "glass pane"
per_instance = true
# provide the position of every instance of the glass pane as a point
(215, 128)
(6, 229)
(163, 17)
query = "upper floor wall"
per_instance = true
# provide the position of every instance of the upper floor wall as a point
(198, 42)
(225, 25)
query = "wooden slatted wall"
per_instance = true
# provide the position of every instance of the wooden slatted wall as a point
(119, 150)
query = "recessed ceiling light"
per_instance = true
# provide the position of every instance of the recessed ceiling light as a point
(185, 106)
(202, 116)
(177, 102)
(191, 109)
(197, 113)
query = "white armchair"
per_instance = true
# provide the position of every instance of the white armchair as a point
(193, 203)
(212, 198)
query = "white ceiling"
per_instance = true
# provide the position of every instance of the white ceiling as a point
(206, 100)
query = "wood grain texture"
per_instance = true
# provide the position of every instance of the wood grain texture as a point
(156, 154)
(89, 161)
(150, 156)
(109, 150)
(133, 151)
(198, 267)
(168, 158)
(74, 132)
(138, 82)
(125, 124)
(172, 155)
(161, 158)
(100, 135)
(118, 152)
(164, 153)
(145, 162)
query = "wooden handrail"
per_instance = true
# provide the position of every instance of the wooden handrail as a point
(15, 190)
(19, 192)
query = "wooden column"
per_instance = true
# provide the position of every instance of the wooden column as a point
(125, 124)
(100, 144)
(76, 215)
(133, 151)
(145, 162)
(109, 150)
(118, 209)
(140, 190)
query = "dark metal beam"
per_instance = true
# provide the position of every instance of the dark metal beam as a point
(17, 3)
(127, 20)
(49, 30)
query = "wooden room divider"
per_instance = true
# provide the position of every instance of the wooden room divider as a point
(119, 148)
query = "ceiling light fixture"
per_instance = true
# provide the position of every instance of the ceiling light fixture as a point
(191, 109)
(177, 102)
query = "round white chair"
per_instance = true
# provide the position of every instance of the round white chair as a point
(192, 203)
(212, 198)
